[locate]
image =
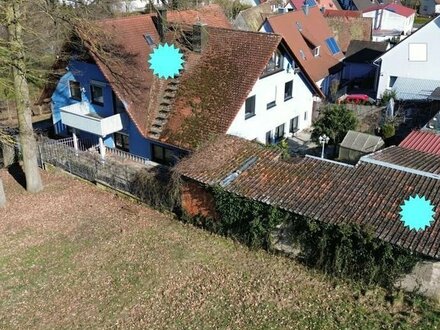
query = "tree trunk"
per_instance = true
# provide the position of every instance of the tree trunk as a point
(21, 91)
(2, 195)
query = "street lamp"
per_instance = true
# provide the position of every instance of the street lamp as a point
(323, 139)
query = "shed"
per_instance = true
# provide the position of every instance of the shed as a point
(357, 144)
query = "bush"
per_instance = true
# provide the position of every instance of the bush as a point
(388, 130)
(334, 121)
(387, 95)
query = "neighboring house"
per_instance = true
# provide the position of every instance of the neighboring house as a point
(323, 5)
(357, 144)
(423, 140)
(361, 5)
(347, 26)
(390, 20)
(429, 7)
(412, 67)
(310, 39)
(252, 18)
(359, 62)
(114, 98)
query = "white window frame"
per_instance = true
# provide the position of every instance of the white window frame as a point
(418, 52)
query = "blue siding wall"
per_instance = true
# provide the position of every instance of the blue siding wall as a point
(84, 73)
(357, 70)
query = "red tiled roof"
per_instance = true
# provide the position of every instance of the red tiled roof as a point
(124, 63)
(422, 141)
(393, 7)
(212, 92)
(368, 194)
(410, 158)
(289, 25)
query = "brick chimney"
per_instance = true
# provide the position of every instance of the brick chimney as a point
(199, 37)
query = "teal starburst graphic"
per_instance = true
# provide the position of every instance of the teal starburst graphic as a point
(166, 61)
(417, 213)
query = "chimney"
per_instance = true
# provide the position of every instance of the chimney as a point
(305, 8)
(199, 37)
(162, 23)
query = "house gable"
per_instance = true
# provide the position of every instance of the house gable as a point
(415, 57)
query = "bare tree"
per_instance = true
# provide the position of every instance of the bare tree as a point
(21, 93)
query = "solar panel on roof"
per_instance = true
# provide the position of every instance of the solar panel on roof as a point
(311, 3)
(332, 45)
(149, 39)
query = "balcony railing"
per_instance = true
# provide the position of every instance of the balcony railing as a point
(80, 116)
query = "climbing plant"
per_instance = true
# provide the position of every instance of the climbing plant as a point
(347, 251)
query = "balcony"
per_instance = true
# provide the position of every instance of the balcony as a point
(80, 116)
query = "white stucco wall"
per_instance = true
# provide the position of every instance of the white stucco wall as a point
(396, 61)
(392, 21)
(268, 119)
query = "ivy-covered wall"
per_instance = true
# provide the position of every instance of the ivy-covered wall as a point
(347, 251)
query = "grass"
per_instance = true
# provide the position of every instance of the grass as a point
(74, 256)
(420, 20)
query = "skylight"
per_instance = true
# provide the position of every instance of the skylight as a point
(299, 26)
(149, 39)
(311, 3)
(332, 45)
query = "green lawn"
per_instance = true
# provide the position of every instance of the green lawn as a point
(74, 256)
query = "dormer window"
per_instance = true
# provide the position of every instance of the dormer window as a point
(316, 51)
(275, 63)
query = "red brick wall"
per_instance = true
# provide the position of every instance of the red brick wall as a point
(196, 200)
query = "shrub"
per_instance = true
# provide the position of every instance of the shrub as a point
(388, 130)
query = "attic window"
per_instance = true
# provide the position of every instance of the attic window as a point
(303, 56)
(316, 51)
(332, 45)
(299, 26)
(275, 63)
(149, 39)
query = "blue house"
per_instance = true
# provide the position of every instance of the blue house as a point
(107, 94)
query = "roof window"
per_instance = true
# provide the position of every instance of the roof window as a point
(332, 45)
(310, 3)
(149, 39)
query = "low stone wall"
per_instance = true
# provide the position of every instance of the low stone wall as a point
(424, 279)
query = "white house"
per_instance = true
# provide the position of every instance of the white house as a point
(279, 104)
(429, 7)
(412, 67)
(120, 102)
(390, 20)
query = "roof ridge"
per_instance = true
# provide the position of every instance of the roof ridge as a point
(368, 159)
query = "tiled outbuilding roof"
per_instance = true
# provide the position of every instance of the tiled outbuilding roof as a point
(297, 28)
(409, 158)
(368, 194)
(422, 141)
